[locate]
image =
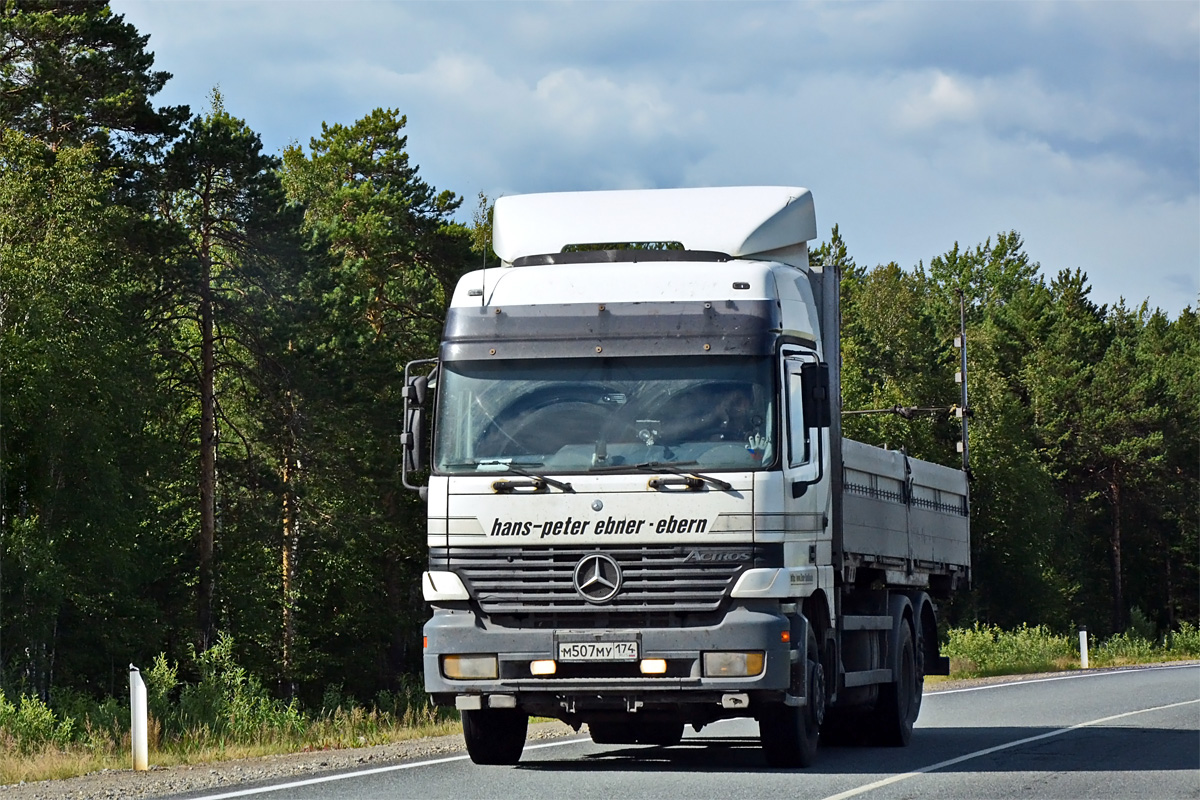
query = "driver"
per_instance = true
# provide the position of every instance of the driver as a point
(739, 421)
(734, 415)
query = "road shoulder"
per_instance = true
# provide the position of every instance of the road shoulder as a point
(166, 781)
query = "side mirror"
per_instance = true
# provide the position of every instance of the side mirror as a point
(414, 436)
(416, 390)
(414, 440)
(818, 406)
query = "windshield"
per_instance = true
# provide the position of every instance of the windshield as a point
(707, 412)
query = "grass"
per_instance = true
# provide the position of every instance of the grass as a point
(986, 650)
(52, 763)
(228, 715)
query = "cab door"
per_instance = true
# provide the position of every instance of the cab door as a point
(805, 462)
(806, 420)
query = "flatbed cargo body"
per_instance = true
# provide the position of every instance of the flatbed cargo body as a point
(904, 516)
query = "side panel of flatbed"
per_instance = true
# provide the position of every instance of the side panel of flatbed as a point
(902, 513)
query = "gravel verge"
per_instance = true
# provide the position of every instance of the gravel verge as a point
(166, 781)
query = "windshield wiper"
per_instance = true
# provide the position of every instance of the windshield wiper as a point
(495, 465)
(669, 468)
(519, 469)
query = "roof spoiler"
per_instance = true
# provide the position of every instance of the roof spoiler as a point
(773, 222)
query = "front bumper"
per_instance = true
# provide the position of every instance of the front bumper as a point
(582, 690)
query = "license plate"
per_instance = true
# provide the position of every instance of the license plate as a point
(597, 651)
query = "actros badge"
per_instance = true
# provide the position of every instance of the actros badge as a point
(597, 578)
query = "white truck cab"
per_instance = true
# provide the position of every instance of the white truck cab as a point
(642, 513)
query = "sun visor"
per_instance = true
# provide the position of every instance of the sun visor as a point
(741, 221)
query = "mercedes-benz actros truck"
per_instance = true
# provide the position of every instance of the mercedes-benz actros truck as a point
(642, 514)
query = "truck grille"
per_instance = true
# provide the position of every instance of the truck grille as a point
(660, 584)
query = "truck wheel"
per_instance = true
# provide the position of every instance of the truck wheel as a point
(663, 734)
(900, 701)
(495, 735)
(789, 734)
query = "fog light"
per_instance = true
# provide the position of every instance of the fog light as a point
(546, 667)
(733, 665)
(469, 668)
(653, 666)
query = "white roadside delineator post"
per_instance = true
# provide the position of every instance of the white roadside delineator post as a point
(138, 720)
(1083, 653)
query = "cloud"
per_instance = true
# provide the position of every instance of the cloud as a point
(945, 100)
(567, 128)
(916, 124)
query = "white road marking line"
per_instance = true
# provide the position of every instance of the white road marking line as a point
(1072, 676)
(951, 762)
(374, 771)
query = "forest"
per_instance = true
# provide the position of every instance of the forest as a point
(201, 353)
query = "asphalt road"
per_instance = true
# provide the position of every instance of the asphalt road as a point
(1119, 734)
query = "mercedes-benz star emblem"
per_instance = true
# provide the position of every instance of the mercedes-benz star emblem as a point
(597, 578)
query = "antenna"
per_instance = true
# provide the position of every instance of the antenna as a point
(964, 410)
(484, 223)
(481, 292)
(3, 505)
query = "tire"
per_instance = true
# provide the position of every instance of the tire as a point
(789, 734)
(663, 734)
(900, 701)
(495, 735)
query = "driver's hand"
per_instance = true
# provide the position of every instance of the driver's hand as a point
(760, 448)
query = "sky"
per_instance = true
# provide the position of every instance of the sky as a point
(915, 125)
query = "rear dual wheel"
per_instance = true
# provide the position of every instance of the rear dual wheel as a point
(900, 701)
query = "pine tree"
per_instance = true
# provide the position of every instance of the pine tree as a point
(223, 200)
(72, 72)
(395, 256)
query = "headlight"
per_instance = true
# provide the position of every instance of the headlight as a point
(733, 665)
(470, 668)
